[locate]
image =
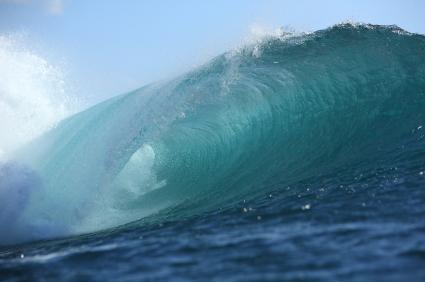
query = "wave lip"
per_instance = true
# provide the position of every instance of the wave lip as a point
(279, 111)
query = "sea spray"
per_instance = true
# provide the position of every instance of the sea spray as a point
(32, 94)
(33, 100)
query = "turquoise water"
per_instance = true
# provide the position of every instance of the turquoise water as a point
(298, 158)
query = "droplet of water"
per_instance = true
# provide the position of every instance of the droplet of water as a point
(306, 207)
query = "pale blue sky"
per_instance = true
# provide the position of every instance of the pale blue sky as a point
(110, 47)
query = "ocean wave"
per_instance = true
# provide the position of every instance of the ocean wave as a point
(274, 112)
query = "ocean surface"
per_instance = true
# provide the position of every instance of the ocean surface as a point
(299, 157)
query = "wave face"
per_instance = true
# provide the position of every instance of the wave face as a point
(251, 122)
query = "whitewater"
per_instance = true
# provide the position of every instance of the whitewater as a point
(300, 156)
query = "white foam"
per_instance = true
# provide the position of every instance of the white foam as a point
(259, 32)
(32, 94)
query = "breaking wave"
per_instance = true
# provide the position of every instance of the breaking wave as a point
(287, 108)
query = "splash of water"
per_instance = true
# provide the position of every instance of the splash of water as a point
(32, 94)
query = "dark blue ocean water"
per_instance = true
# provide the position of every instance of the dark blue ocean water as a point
(298, 158)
